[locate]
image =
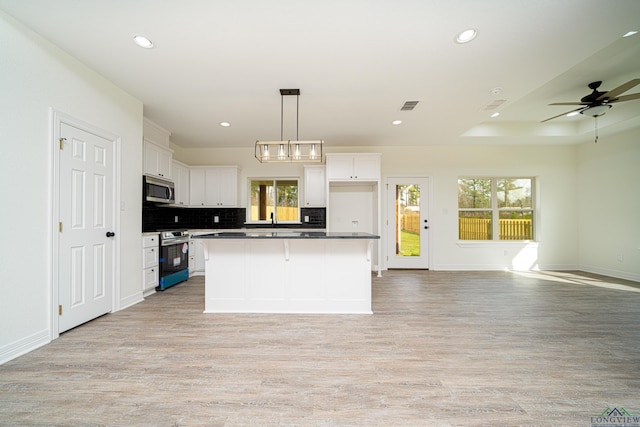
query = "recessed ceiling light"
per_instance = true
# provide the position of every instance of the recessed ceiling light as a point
(467, 35)
(225, 124)
(573, 113)
(630, 33)
(496, 114)
(142, 41)
(396, 122)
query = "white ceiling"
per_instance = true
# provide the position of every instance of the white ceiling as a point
(355, 62)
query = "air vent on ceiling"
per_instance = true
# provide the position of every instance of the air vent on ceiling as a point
(409, 105)
(495, 104)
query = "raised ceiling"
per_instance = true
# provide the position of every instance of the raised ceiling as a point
(356, 63)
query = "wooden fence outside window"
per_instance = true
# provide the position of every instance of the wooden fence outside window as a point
(477, 228)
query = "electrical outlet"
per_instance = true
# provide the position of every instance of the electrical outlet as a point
(216, 219)
(306, 218)
(620, 258)
(175, 219)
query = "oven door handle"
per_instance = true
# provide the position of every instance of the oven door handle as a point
(174, 242)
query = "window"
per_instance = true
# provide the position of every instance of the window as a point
(483, 200)
(274, 200)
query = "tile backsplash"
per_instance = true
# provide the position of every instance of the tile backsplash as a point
(162, 217)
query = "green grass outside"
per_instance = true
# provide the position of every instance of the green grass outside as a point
(410, 244)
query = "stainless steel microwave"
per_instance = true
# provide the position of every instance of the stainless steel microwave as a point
(157, 190)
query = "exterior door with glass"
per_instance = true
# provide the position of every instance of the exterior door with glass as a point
(407, 223)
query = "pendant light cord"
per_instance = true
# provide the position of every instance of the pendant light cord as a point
(596, 140)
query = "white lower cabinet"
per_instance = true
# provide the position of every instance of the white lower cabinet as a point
(150, 265)
(196, 257)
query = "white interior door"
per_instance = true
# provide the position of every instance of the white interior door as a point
(86, 215)
(407, 223)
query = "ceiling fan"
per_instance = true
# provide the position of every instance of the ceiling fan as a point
(597, 103)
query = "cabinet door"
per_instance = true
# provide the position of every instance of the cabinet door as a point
(314, 186)
(366, 167)
(157, 160)
(180, 174)
(221, 185)
(150, 278)
(199, 267)
(340, 167)
(165, 159)
(150, 159)
(196, 187)
(212, 187)
(228, 190)
(150, 256)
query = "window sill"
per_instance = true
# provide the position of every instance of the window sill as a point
(275, 224)
(494, 244)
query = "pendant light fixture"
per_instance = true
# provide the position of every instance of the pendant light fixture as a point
(295, 151)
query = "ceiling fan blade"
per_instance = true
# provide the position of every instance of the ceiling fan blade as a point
(620, 89)
(626, 98)
(570, 103)
(563, 114)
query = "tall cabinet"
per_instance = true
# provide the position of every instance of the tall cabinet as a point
(353, 195)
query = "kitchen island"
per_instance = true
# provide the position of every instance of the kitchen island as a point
(283, 271)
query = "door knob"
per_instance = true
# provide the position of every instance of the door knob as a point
(110, 234)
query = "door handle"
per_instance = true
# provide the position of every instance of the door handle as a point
(110, 234)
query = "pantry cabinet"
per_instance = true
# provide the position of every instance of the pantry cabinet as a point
(353, 196)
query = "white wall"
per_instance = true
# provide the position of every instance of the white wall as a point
(36, 77)
(609, 206)
(553, 167)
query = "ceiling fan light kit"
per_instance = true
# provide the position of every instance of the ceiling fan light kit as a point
(289, 151)
(596, 110)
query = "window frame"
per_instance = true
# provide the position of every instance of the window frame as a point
(275, 181)
(495, 210)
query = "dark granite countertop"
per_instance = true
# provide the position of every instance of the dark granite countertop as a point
(283, 234)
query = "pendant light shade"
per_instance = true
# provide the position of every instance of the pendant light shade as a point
(289, 150)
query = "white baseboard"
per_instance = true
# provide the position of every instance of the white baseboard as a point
(498, 267)
(611, 273)
(131, 300)
(24, 345)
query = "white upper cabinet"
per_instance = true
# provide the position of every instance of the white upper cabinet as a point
(314, 187)
(353, 167)
(180, 175)
(157, 160)
(157, 154)
(213, 186)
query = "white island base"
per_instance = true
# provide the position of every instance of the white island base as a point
(279, 275)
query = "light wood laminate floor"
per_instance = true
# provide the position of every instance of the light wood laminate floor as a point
(441, 349)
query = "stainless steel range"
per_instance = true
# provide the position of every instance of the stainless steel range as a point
(174, 258)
